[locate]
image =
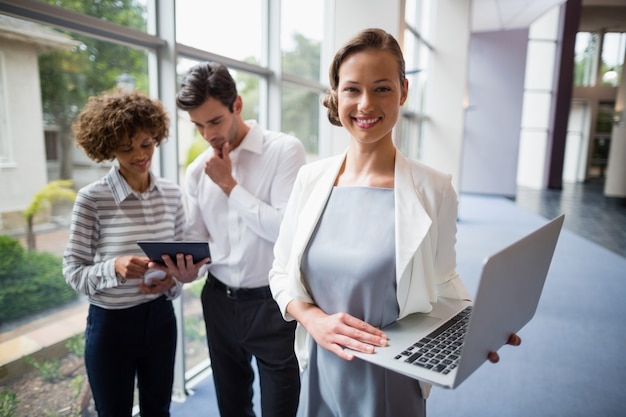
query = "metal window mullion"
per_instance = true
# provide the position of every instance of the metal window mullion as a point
(40, 12)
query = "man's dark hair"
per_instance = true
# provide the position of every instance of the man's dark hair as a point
(206, 80)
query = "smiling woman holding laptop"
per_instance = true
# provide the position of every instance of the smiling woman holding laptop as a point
(394, 221)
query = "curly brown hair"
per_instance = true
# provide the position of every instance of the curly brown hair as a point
(112, 119)
(367, 39)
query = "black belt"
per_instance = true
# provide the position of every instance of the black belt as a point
(233, 293)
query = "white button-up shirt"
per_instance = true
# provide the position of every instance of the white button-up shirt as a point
(241, 228)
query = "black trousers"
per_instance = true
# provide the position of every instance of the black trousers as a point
(133, 342)
(239, 326)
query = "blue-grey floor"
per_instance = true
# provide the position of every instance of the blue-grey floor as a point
(571, 362)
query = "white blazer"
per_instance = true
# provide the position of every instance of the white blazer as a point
(425, 231)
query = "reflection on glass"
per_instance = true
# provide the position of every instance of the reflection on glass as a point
(231, 28)
(248, 87)
(300, 116)
(5, 145)
(586, 58)
(613, 48)
(69, 78)
(417, 15)
(408, 136)
(130, 13)
(196, 349)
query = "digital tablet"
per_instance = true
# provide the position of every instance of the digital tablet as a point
(155, 249)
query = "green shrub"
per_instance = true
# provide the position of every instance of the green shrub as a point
(76, 344)
(8, 403)
(50, 370)
(11, 257)
(77, 384)
(31, 281)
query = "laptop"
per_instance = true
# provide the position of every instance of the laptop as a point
(429, 347)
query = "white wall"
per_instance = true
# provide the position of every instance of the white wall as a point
(577, 143)
(497, 65)
(27, 174)
(536, 134)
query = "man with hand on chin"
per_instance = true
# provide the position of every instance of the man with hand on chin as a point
(236, 194)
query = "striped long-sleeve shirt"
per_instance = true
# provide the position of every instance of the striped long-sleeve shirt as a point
(108, 219)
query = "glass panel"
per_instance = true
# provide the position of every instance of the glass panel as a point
(68, 78)
(410, 13)
(408, 138)
(426, 10)
(416, 61)
(196, 349)
(417, 14)
(302, 37)
(212, 25)
(540, 65)
(536, 110)
(586, 58)
(54, 81)
(416, 57)
(249, 88)
(5, 154)
(300, 116)
(612, 58)
(604, 119)
(129, 13)
(411, 55)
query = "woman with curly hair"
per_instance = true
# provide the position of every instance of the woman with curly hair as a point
(131, 327)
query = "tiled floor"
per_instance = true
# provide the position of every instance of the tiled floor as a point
(588, 212)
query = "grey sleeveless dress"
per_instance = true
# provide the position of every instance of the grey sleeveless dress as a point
(349, 266)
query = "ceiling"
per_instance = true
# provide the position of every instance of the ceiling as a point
(494, 15)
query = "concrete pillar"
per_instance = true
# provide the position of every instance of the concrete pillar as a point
(615, 182)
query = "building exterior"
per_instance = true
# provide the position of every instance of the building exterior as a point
(23, 166)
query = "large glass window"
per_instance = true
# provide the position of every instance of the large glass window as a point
(114, 44)
(130, 13)
(300, 116)
(233, 28)
(586, 59)
(68, 78)
(613, 48)
(5, 154)
(302, 38)
(416, 55)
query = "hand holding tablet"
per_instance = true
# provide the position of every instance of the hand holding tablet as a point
(156, 249)
(185, 272)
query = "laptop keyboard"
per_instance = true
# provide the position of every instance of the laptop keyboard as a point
(440, 350)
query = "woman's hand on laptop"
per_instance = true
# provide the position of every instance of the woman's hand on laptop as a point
(337, 331)
(514, 340)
